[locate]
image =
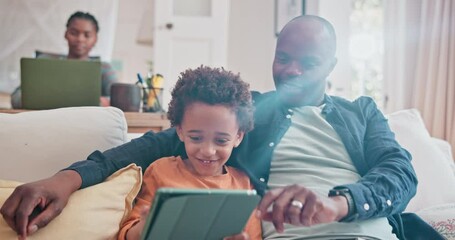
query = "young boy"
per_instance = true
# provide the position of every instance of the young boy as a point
(211, 110)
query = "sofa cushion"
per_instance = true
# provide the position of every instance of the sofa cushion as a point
(91, 213)
(37, 144)
(441, 218)
(432, 166)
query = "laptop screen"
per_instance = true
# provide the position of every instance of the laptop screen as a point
(51, 83)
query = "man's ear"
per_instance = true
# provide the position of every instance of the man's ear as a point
(179, 132)
(66, 35)
(239, 139)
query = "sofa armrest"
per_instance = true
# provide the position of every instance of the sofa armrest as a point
(37, 144)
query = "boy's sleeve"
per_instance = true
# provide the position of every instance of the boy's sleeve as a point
(143, 200)
(253, 227)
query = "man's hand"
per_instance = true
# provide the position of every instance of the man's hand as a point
(33, 205)
(316, 209)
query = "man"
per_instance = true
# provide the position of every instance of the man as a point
(327, 161)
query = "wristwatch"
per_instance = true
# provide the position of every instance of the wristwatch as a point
(342, 191)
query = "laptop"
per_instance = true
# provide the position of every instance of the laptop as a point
(52, 83)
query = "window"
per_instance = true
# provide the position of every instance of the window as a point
(366, 49)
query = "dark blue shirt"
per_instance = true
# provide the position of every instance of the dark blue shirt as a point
(388, 180)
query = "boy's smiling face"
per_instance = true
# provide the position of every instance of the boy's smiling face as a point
(209, 132)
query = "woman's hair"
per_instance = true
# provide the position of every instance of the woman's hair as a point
(83, 15)
(213, 86)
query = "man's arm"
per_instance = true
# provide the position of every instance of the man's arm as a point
(390, 182)
(314, 208)
(387, 185)
(141, 151)
(33, 205)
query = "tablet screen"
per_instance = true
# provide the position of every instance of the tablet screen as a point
(199, 213)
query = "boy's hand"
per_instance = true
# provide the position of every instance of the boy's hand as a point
(136, 231)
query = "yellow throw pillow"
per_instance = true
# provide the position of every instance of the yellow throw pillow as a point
(91, 213)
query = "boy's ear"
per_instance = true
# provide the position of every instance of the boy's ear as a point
(179, 132)
(239, 138)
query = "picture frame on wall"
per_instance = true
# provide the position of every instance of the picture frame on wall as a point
(285, 10)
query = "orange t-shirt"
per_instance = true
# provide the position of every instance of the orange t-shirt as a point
(172, 172)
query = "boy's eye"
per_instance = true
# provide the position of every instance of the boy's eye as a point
(195, 138)
(222, 141)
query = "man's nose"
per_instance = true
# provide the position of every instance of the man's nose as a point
(294, 69)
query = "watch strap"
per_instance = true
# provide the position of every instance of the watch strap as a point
(347, 194)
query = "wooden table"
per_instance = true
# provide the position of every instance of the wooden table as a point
(5, 100)
(138, 122)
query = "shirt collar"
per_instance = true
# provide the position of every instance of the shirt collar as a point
(328, 101)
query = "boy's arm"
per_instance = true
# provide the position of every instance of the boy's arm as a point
(134, 224)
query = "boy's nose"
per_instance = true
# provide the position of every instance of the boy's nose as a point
(208, 150)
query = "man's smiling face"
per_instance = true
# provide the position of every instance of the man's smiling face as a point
(304, 57)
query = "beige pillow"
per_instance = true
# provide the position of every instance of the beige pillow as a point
(37, 144)
(433, 169)
(441, 218)
(91, 213)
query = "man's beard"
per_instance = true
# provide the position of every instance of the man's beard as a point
(301, 91)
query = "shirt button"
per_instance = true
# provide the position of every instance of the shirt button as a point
(271, 144)
(366, 206)
(262, 179)
(389, 203)
(288, 116)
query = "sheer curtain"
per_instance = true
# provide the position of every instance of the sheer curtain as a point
(29, 25)
(420, 62)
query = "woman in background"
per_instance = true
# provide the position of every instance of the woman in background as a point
(81, 34)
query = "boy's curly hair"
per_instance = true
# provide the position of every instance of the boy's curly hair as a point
(213, 86)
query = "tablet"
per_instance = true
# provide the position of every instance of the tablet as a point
(198, 213)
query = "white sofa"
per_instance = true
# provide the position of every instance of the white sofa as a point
(36, 144)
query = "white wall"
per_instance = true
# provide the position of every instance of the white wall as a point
(337, 12)
(252, 42)
(27, 26)
(132, 56)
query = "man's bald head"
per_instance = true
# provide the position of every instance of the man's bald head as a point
(314, 26)
(304, 57)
